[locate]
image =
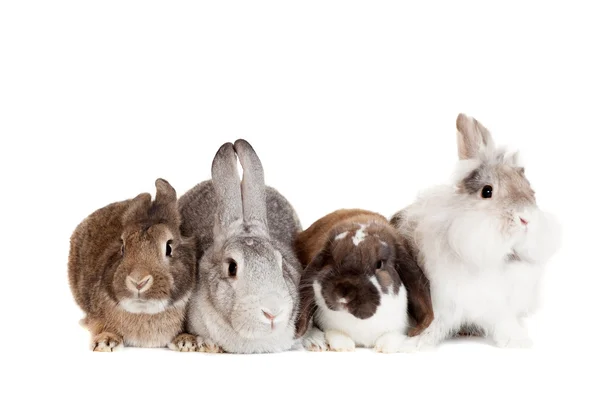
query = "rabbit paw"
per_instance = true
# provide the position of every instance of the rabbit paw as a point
(207, 346)
(315, 340)
(339, 341)
(514, 342)
(184, 343)
(395, 342)
(511, 334)
(107, 342)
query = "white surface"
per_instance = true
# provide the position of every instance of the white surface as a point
(348, 105)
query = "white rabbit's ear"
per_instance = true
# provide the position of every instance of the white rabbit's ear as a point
(473, 139)
(226, 182)
(254, 203)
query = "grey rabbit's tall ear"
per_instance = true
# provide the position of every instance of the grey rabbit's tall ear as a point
(307, 293)
(226, 182)
(473, 139)
(254, 203)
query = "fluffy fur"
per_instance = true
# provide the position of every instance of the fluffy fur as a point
(251, 226)
(358, 285)
(132, 272)
(484, 256)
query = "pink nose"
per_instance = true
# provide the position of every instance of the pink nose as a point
(140, 285)
(523, 221)
(269, 315)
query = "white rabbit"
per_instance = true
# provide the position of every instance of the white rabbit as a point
(482, 243)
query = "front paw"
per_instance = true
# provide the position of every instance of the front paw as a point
(511, 334)
(395, 342)
(339, 341)
(517, 342)
(314, 340)
(208, 346)
(107, 342)
(184, 343)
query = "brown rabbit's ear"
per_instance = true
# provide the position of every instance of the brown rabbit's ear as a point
(307, 294)
(417, 288)
(138, 208)
(165, 194)
(473, 139)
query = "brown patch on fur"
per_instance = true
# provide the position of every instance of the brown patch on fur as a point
(343, 267)
(98, 269)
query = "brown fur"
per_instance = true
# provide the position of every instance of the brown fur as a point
(343, 268)
(127, 240)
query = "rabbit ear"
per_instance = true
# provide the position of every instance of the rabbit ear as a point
(226, 182)
(307, 294)
(473, 139)
(165, 194)
(253, 185)
(417, 288)
(137, 209)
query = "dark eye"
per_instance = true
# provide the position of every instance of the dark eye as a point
(169, 248)
(486, 192)
(232, 268)
(379, 264)
(122, 249)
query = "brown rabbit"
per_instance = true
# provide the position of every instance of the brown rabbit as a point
(132, 273)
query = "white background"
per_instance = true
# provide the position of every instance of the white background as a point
(348, 104)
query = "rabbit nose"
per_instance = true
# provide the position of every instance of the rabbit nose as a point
(523, 221)
(271, 312)
(269, 316)
(139, 285)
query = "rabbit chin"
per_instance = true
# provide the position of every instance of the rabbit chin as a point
(259, 329)
(139, 306)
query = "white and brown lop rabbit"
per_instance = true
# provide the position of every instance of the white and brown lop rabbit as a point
(246, 299)
(361, 285)
(132, 273)
(482, 242)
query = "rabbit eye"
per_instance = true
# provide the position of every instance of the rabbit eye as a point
(486, 192)
(122, 249)
(379, 264)
(232, 268)
(169, 248)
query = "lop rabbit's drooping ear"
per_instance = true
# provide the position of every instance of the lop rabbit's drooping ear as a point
(473, 139)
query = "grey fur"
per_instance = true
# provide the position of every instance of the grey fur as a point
(229, 224)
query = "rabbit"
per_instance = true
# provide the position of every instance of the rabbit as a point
(246, 300)
(360, 285)
(132, 273)
(482, 242)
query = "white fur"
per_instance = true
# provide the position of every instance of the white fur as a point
(341, 236)
(137, 306)
(464, 255)
(314, 340)
(360, 235)
(341, 327)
